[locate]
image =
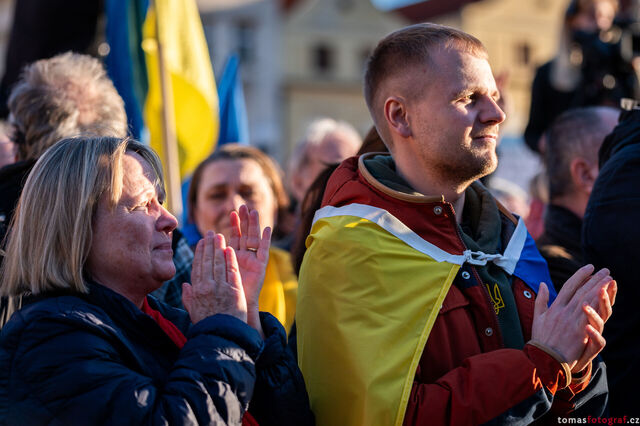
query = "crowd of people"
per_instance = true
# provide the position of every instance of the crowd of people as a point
(381, 283)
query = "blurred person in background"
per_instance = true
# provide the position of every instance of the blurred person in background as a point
(326, 142)
(571, 162)
(67, 95)
(90, 346)
(610, 235)
(538, 200)
(591, 67)
(513, 197)
(236, 175)
(7, 147)
(63, 96)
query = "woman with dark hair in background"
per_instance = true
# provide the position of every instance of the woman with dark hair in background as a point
(589, 68)
(236, 175)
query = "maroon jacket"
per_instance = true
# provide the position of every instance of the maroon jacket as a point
(465, 375)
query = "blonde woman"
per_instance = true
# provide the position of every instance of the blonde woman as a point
(90, 240)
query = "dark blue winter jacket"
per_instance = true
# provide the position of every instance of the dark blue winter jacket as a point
(610, 236)
(97, 359)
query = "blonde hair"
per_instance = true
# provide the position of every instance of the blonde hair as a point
(51, 232)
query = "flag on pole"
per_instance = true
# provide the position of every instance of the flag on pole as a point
(234, 124)
(234, 127)
(195, 99)
(125, 61)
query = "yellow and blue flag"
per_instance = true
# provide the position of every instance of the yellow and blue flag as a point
(133, 35)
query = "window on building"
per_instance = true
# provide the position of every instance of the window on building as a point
(523, 54)
(246, 41)
(323, 59)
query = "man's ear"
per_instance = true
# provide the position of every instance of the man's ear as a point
(583, 174)
(395, 113)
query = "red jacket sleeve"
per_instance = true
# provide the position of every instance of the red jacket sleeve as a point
(486, 386)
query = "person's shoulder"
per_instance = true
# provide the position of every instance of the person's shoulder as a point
(626, 155)
(544, 70)
(618, 176)
(279, 255)
(344, 174)
(54, 313)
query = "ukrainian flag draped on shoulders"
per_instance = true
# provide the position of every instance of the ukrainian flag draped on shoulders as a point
(376, 272)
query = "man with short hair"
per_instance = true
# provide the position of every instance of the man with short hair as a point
(571, 161)
(417, 301)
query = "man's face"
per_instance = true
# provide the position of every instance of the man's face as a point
(454, 117)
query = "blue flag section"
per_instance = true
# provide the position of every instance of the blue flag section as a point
(533, 269)
(188, 228)
(234, 124)
(125, 62)
(234, 128)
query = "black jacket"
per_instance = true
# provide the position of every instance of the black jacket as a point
(98, 359)
(546, 104)
(12, 179)
(610, 235)
(560, 244)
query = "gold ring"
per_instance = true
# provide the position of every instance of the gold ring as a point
(252, 249)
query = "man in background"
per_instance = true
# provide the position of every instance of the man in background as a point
(326, 142)
(571, 160)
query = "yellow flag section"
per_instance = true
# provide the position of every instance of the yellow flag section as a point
(278, 294)
(369, 292)
(195, 99)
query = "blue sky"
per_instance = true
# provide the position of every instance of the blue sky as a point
(392, 4)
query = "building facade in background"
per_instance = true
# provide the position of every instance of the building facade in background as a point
(253, 30)
(326, 43)
(520, 35)
(301, 59)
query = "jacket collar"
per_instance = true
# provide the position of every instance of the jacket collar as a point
(401, 195)
(413, 197)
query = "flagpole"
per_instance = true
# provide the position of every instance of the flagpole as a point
(169, 142)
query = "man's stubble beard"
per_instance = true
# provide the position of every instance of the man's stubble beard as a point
(464, 171)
